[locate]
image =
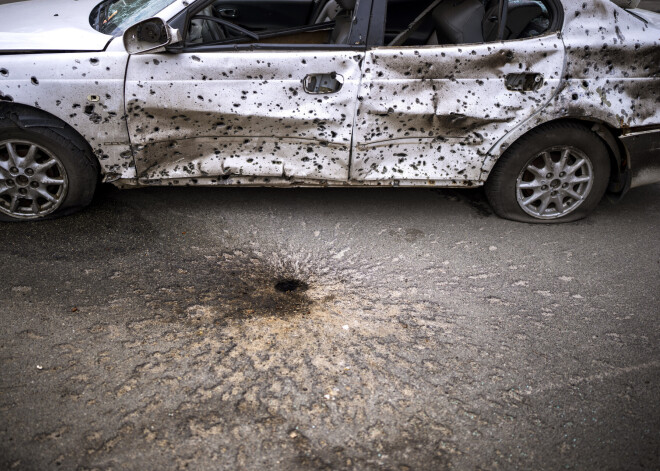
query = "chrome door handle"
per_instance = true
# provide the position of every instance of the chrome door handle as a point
(323, 84)
(530, 82)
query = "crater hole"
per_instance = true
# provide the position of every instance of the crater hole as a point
(289, 285)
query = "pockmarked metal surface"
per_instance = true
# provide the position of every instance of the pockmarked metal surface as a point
(85, 90)
(425, 115)
(241, 113)
(611, 75)
(432, 114)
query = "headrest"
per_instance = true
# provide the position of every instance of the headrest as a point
(347, 4)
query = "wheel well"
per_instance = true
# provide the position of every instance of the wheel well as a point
(31, 117)
(620, 174)
(620, 170)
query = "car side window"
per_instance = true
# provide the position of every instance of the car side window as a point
(426, 22)
(400, 14)
(272, 21)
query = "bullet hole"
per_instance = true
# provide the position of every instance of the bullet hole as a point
(290, 285)
(4, 72)
(34, 81)
(575, 96)
(93, 116)
(94, 61)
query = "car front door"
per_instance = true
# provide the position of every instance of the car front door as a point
(431, 113)
(245, 109)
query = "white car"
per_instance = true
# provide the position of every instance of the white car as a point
(548, 103)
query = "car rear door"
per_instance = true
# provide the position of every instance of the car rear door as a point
(431, 113)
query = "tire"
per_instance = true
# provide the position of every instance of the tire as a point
(556, 173)
(46, 171)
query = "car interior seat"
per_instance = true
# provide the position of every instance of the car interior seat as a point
(521, 14)
(343, 21)
(203, 31)
(458, 22)
(470, 21)
(328, 12)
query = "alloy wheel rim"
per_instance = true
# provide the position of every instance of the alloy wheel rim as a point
(555, 182)
(33, 182)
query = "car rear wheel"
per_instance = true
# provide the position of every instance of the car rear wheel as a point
(44, 171)
(557, 173)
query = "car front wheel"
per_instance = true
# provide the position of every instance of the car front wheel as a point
(44, 171)
(557, 173)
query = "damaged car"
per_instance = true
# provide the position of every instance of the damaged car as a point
(549, 104)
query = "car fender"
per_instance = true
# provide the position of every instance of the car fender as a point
(85, 90)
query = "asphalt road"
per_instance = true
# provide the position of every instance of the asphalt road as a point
(422, 333)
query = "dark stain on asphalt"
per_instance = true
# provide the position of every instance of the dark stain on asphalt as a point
(247, 291)
(212, 290)
(289, 285)
(227, 284)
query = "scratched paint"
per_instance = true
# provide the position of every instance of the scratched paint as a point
(432, 115)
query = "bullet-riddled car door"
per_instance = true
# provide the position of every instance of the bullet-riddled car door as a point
(432, 113)
(243, 113)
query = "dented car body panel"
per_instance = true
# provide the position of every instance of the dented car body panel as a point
(438, 115)
(242, 114)
(433, 113)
